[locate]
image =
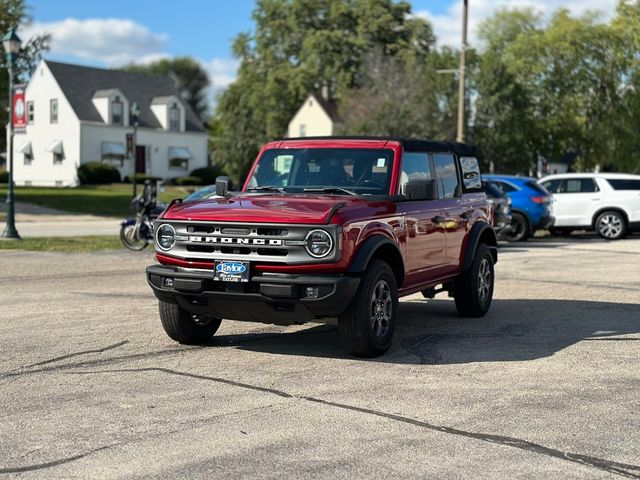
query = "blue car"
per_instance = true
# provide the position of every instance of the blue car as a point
(530, 205)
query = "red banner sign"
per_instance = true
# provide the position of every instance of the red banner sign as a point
(19, 109)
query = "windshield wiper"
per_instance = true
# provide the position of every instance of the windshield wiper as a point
(268, 188)
(329, 190)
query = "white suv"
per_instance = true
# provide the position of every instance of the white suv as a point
(608, 203)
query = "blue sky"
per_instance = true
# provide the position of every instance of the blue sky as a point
(115, 32)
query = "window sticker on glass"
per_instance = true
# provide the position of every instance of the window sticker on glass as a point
(381, 162)
(470, 172)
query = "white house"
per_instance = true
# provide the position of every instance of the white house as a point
(79, 114)
(316, 117)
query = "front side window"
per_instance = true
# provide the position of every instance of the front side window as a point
(446, 175)
(624, 184)
(300, 170)
(30, 113)
(53, 110)
(415, 166)
(116, 111)
(174, 118)
(553, 185)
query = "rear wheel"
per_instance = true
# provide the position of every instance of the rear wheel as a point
(473, 289)
(186, 327)
(519, 229)
(367, 326)
(611, 225)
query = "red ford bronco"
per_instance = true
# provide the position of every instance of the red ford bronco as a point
(324, 228)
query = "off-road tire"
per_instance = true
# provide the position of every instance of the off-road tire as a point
(473, 289)
(366, 330)
(182, 326)
(611, 225)
(520, 231)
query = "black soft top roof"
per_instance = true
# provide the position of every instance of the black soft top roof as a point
(409, 144)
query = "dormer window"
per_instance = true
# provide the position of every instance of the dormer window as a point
(174, 118)
(116, 111)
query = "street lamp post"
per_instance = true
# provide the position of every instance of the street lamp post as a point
(134, 113)
(11, 43)
(462, 68)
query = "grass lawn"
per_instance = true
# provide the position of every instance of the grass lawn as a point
(109, 200)
(64, 244)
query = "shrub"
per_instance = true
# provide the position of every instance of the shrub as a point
(188, 180)
(141, 177)
(97, 173)
(4, 176)
(207, 174)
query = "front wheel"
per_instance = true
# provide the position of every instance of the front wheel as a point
(611, 225)
(186, 327)
(367, 326)
(473, 289)
(132, 239)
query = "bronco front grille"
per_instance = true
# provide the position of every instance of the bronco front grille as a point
(201, 241)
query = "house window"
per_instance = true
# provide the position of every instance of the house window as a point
(30, 113)
(174, 118)
(57, 158)
(53, 111)
(303, 130)
(116, 111)
(28, 158)
(178, 163)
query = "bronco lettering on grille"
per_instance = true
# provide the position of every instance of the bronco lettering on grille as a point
(237, 241)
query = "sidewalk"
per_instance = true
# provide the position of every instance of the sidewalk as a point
(37, 221)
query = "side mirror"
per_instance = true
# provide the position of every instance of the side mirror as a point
(223, 186)
(421, 190)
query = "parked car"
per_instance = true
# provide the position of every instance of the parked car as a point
(501, 204)
(608, 203)
(325, 228)
(531, 205)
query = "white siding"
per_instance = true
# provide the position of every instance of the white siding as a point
(312, 119)
(42, 171)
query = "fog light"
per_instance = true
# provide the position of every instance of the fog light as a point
(311, 292)
(168, 282)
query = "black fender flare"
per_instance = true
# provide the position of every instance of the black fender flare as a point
(368, 249)
(481, 232)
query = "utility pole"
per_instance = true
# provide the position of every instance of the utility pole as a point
(461, 73)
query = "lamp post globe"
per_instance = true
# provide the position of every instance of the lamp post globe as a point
(11, 43)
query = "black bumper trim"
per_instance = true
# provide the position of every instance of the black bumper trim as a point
(267, 298)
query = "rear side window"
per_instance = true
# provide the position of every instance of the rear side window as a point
(579, 185)
(505, 187)
(470, 173)
(446, 175)
(624, 184)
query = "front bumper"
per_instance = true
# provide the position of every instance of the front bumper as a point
(266, 298)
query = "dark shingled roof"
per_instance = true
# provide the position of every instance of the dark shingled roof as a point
(329, 106)
(80, 84)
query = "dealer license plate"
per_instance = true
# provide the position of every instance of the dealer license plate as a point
(229, 271)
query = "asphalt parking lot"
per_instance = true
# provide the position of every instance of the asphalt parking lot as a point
(546, 385)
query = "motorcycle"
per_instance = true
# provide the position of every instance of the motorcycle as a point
(137, 232)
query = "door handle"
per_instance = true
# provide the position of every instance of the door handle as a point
(438, 219)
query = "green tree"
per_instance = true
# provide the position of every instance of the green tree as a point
(192, 80)
(13, 14)
(298, 46)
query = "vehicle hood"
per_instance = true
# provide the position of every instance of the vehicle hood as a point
(275, 208)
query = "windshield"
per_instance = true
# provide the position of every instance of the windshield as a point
(340, 171)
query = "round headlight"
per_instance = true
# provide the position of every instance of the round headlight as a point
(318, 243)
(166, 237)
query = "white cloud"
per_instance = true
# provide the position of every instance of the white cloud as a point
(448, 26)
(222, 72)
(111, 41)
